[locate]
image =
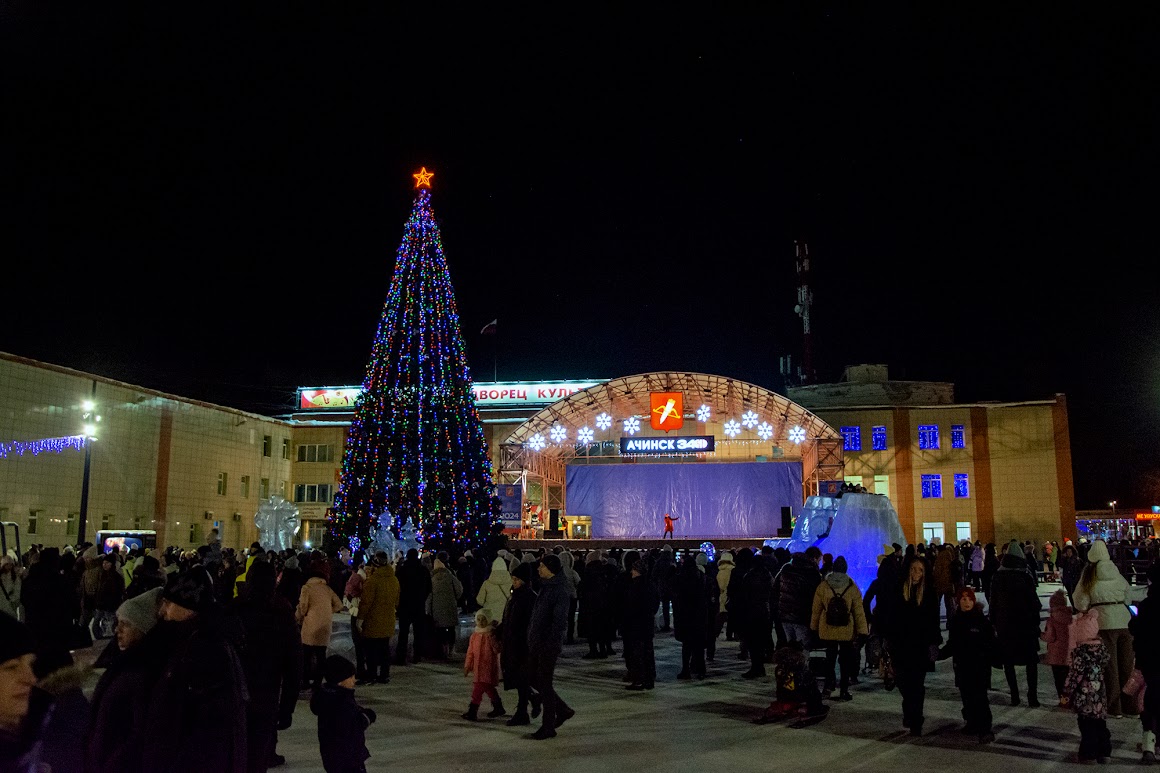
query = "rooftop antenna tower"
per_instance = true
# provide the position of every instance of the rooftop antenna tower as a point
(805, 299)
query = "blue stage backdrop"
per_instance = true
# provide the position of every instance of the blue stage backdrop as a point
(737, 499)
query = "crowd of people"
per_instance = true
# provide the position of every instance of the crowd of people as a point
(223, 644)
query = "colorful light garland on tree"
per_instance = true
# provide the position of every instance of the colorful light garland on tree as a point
(416, 450)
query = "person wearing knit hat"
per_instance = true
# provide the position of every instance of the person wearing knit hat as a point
(514, 650)
(189, 595)
(342, 722)
(136, 617)
(17, 646)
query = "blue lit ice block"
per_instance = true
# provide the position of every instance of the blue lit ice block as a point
(854, 525)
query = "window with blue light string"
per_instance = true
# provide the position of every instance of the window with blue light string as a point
(851, 438)
(931, 486)
(958, 436)
(962, 490)
(928, 437)
(878, 438)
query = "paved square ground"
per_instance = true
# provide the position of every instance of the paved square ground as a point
(696, 725)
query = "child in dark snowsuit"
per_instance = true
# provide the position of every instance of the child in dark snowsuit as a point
(342, 723)
(971, 640)
(797, 693)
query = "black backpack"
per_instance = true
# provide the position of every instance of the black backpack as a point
(837, 610)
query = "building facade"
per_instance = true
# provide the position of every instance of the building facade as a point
(986, 471)
(158, 461)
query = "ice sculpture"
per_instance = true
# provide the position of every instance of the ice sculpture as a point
(383, 537)
(854, 525)
(277, 522)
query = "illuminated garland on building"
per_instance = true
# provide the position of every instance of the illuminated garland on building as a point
(36, 447)
(416, 450)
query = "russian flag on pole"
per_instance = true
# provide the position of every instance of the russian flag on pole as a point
(489, 328)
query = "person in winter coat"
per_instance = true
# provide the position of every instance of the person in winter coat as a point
(1015, 609)
(1103, 588)
(376, 617)
(351, 598)
(945, 575)
(990, 566)
(976, 567)
(114, 741)
(414, 590)
(970, 642)
(1059, 634)
(546, 630)
(11, 582)
(639, 626)
(595, 606)
(50, 605)
(838, 629)
(445, 593)
(342, 722)
(110, 594)
(724, 575)
(793, 597)
(271, 661)
(201, 680)
(482, 660)
(758, 621)
(572, 577)
(1088, 689)
(911, 628)
(316, 606)
(465, 573)
(1145, 630)
(495, 591)
(691, 617)
(513, 634)
(1070, 568)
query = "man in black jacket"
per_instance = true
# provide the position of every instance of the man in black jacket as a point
(271, 659)
(414, 588)
(546, 632)
(793, 597)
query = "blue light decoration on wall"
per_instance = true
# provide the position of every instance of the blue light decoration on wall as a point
(958, 436)
(416, 447)
(851, 438)
(878, 438)
(53, 445)
(962, 490)
(931, 486)
(928, 437)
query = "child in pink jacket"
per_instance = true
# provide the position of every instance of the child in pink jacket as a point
(1059, 633)
(483, 660)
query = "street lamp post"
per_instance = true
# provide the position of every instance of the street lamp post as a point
(91, 418)
(1115, 523)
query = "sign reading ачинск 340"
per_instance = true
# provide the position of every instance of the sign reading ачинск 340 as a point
(694, 444)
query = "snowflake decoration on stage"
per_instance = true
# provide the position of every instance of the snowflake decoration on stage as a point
(749, 419)
(632, 425)
(558, 433)
(604, 421)
(584, 435)
(764, 431)
(703, 413)
(536, 442)
(797, 434)
(732, 428)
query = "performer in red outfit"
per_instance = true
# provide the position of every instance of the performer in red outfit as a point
(669, 525)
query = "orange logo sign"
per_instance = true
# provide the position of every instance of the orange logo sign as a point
(668, 410)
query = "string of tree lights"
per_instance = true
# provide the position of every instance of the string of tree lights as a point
(416, 451)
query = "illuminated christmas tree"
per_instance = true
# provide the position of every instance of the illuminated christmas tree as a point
(416, 450)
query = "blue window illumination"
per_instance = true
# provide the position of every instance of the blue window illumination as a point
(927, 437)
(878, 438)
(958, 436)
(932, 487)
(852, 438)
(962, 490)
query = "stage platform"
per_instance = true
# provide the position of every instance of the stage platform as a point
(678, 543)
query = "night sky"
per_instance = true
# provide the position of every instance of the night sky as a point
(206, 199)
